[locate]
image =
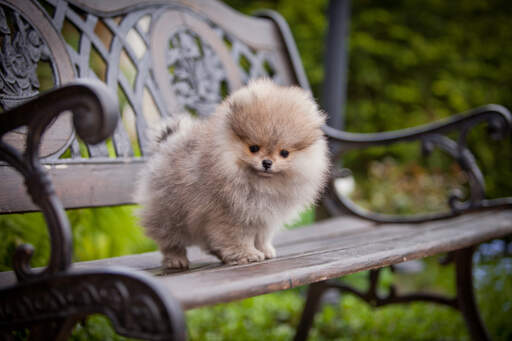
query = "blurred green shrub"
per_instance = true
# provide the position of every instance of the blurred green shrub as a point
(406, 188)
(97, 233)
(413, 62)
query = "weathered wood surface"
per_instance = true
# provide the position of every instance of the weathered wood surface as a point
(77, 185)
(329, 249)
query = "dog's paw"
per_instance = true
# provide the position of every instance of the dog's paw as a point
(175, 262)
(268, 251)
(242, 256)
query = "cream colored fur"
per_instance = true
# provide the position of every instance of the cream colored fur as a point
(203, 185)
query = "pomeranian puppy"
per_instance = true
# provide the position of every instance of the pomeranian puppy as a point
(227, 182)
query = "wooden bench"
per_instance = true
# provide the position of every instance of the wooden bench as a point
(160, 57)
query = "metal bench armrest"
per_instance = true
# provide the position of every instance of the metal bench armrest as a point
(135, 303)
(95, 115)
(431, 136)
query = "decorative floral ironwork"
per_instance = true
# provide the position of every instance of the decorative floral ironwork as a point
(499, 122)
(22, 48)
(95, 116)
(132, 302)
(195, 72)
(252, 63)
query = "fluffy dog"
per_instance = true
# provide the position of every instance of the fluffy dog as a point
(227, 182)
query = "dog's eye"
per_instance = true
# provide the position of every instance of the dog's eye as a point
(254, 148)
(284, 153)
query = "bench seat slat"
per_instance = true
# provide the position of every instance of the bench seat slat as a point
(328, 249)
(151, 260)
(385, 245)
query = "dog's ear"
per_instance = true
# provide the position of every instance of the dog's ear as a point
(322, 116)
(236, 114)
(241, 98)
(235, 119)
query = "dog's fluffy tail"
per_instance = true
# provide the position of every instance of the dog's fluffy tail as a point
(167, 127)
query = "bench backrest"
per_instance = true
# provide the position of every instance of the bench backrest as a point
(159, 57)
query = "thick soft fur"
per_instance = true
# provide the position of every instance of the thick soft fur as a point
(204, 186)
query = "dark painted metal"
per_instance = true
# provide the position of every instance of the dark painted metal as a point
(21, 51)
(92, 40)
(289, 42)
(132, 300)
(431, 136)
(94, 116)
(58, 329)
(119, 50)
(497, 116)
(189, 53)
(316, 291)
(52, 300)
(466, 297)
(314, 295)
(334, 89)
(373, 298)
(464, 301)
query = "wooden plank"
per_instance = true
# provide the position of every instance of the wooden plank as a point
(329, 249)
(370, 250)
(286, 240)
(77, 185)
(341, 227)
(329, 228)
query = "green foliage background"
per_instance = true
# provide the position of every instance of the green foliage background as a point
(411, 62)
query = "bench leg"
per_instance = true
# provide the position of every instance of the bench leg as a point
(50, 307)
(59, 329)
(315, 293)
(464, 301)
(465, 296)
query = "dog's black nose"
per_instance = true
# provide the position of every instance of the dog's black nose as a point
(266, 164)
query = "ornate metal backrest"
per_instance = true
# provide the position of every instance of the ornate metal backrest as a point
(160, 57)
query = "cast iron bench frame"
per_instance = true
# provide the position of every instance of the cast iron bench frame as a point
(51, 300)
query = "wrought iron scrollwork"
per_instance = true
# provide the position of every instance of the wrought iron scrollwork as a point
(95, 117)
(499, 121)
(197, 74)
(372, 296)
(22, 49)
(463, 300)
(57, 295)
(136, 306)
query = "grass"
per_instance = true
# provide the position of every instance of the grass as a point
(108, 232)
(275, 316)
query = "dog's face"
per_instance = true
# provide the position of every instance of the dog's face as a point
(272, 127)
(263, 158)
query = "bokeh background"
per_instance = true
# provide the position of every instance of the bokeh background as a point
(410, 63)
